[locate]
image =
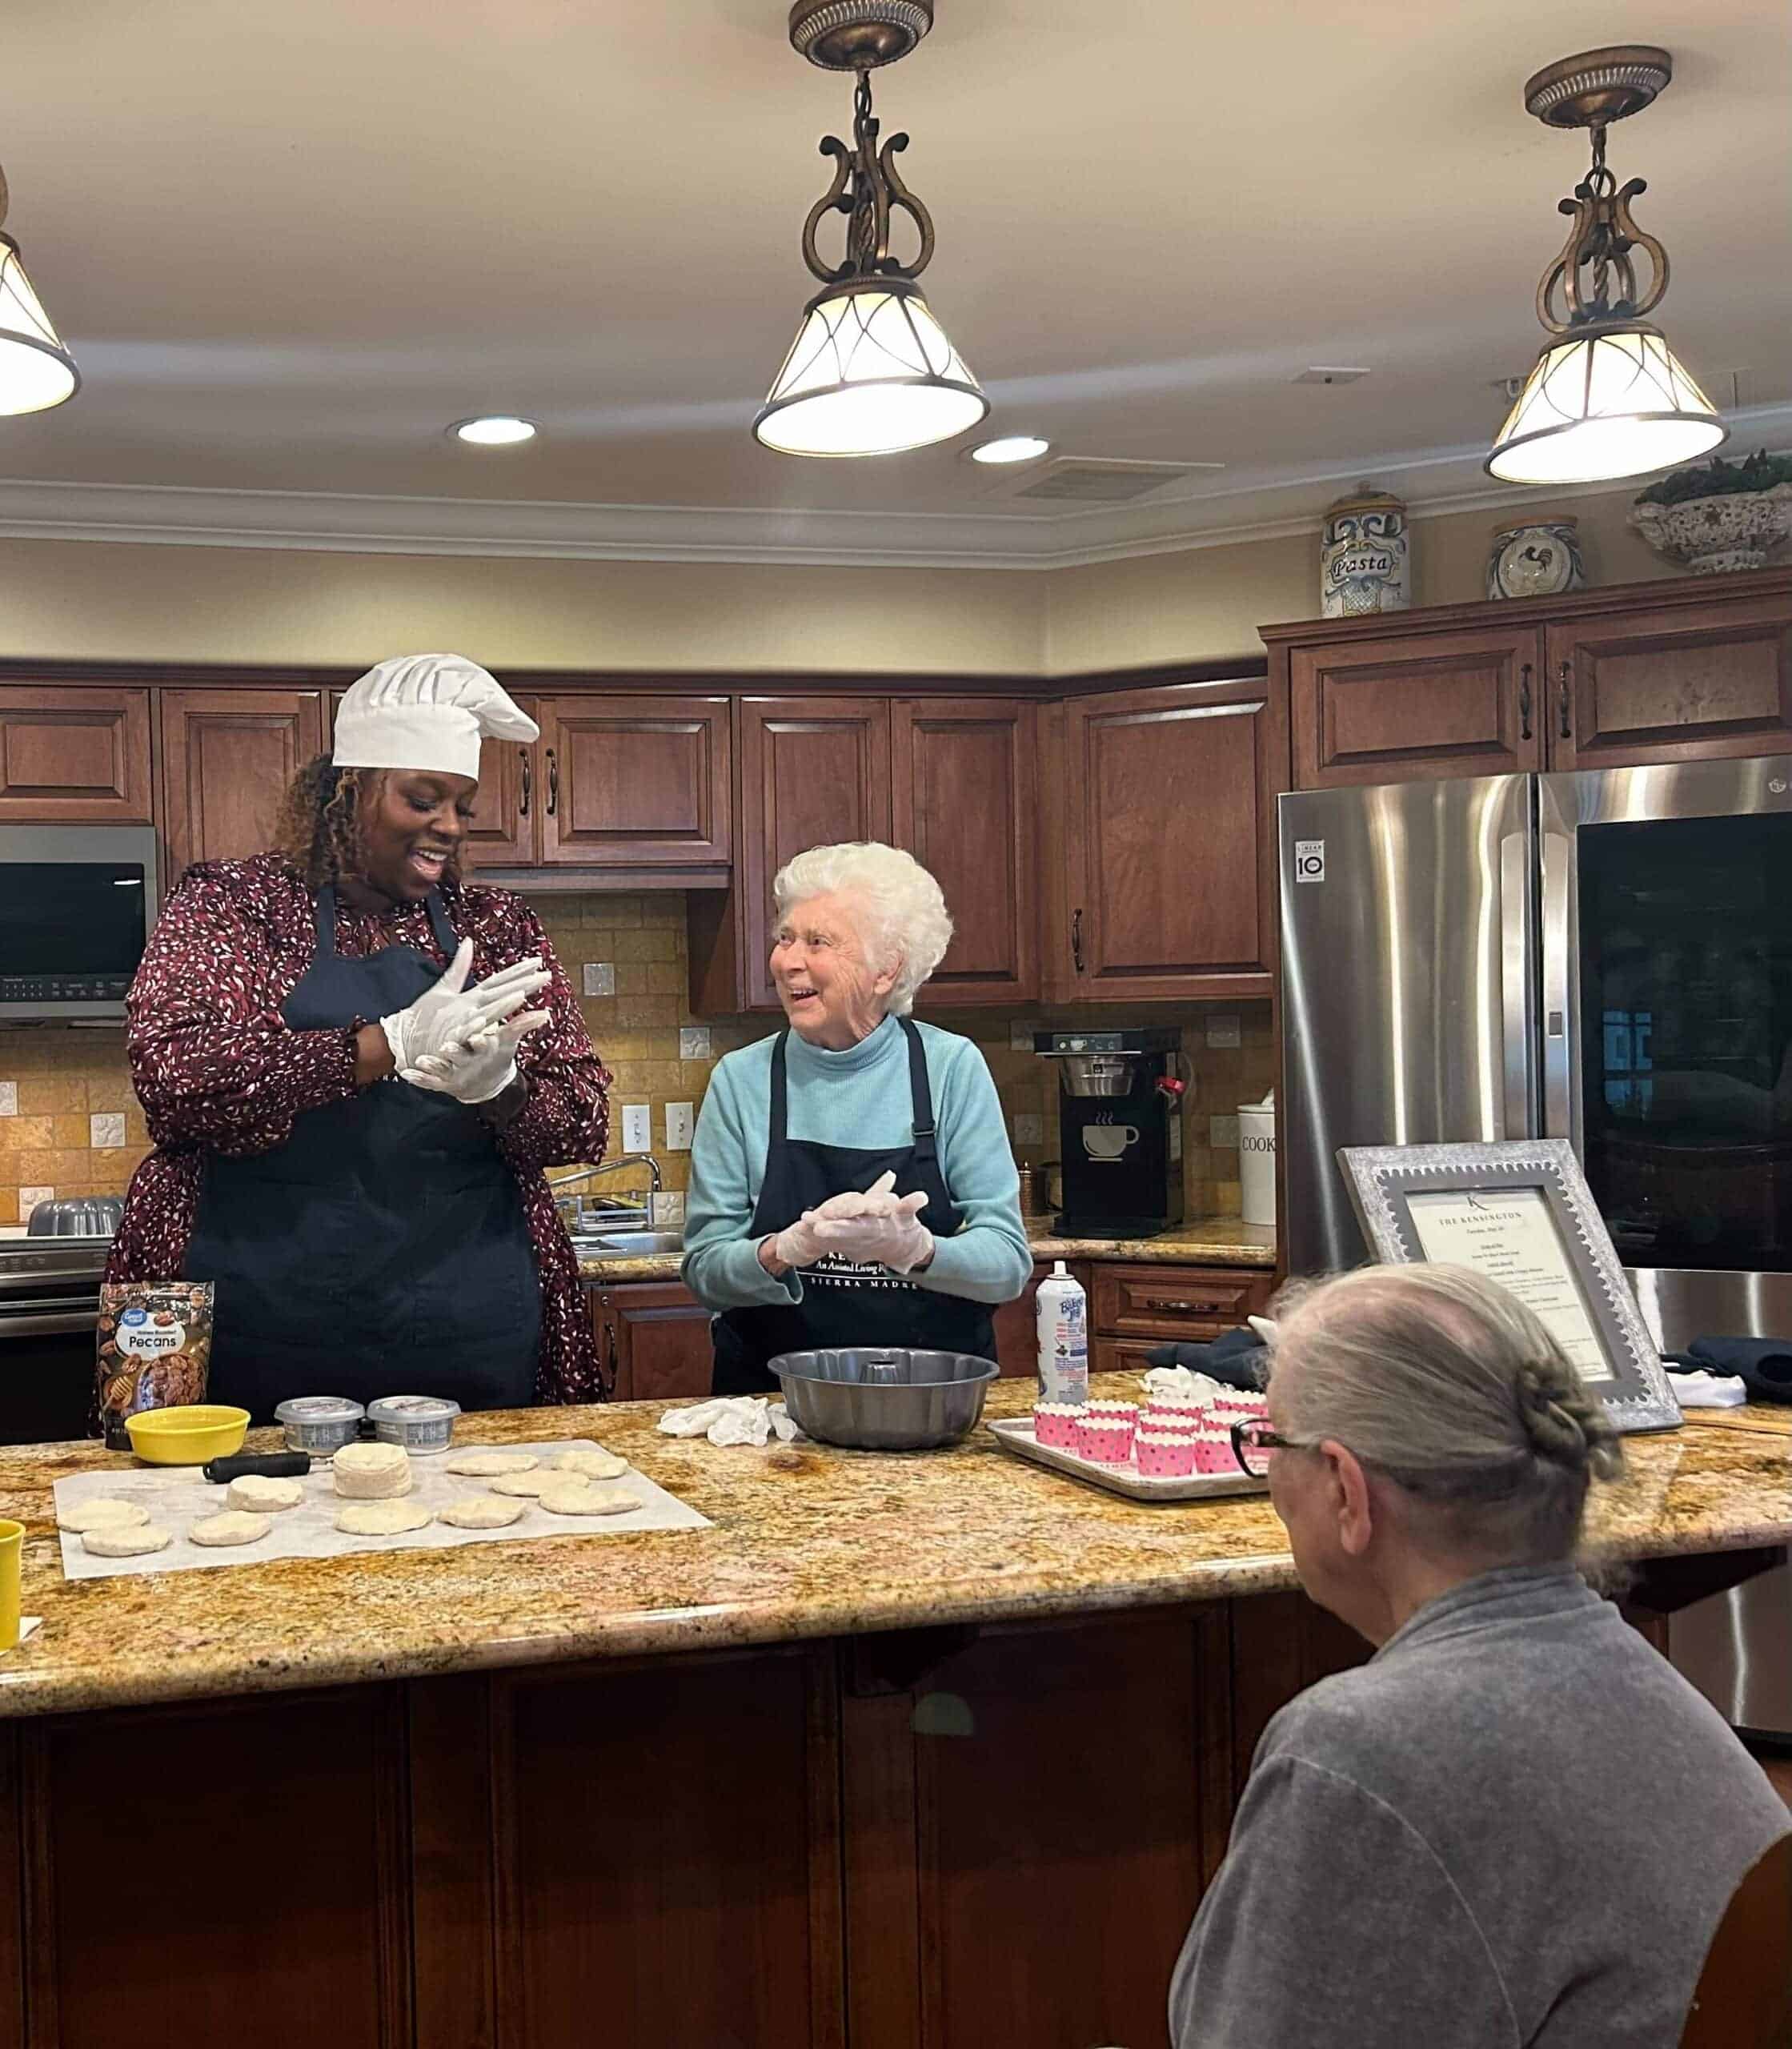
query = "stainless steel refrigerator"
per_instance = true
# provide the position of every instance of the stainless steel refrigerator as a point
(1604, 957)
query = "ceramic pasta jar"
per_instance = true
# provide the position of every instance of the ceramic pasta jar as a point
(1535, 557)
(1364, 556)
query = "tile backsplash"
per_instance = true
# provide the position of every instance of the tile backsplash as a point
(70, 1123)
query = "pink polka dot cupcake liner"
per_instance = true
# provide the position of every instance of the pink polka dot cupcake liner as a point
(1054, 1423)
(1108, 1440)
(1166, 1454)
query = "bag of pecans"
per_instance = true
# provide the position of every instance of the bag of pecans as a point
(155, 1349)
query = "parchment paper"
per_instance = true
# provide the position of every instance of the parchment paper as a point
(177, 1496)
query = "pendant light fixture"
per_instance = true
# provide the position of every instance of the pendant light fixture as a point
(1608, 398)
(871, 371)
(36, 371)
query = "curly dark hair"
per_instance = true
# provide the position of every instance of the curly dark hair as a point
(319, 830)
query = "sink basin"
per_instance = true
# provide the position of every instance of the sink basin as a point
(626, 1245)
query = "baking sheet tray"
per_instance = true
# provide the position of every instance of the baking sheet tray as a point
(178, 1496)
(1018, 1438)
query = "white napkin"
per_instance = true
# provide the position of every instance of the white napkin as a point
(1179, 1383)
(738, 1419)
(1707, 1390)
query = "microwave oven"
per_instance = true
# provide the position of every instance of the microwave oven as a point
(76, 904)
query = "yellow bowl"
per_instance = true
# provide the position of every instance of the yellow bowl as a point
(187, 1436)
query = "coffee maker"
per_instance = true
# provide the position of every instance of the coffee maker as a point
(1119, 1124)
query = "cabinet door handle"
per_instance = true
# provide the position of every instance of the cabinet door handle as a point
(1077, 938)
(553, 784)
(528, 780)
(1567, 704)
(1165, 1306)
(607, 1370)
(1524, 702)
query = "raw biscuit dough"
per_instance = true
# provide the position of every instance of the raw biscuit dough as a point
(231, 1525)
(487, 1465)
(572, 1495)
(528, 1485)
(106, 1511)
(372, 1472)
(592, 1460)
(262, 1496)
(126, 1539)
(482, 1512)
(387, 1518)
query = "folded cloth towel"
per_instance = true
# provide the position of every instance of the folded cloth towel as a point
(1238, 1357)
(1763, 1364)
(740, 1419)
(1701, 1390)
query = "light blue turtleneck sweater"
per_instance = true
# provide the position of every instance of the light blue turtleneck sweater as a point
(860, 1098)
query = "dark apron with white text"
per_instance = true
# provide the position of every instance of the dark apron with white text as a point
(845, 1304)
(383, 1250)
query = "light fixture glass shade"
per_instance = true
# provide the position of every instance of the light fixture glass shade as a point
(870, 373)
(36, 371)
(1610, 403)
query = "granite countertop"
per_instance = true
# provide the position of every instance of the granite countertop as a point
(807, 1542)
(1200, 1241)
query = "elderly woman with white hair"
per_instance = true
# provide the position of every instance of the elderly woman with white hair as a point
(851, 1178)
(1517, 1827)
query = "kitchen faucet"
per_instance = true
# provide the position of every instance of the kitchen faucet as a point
(573, 1207)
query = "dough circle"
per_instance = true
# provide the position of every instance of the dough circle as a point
(126, 1539)
(372, 1472)
(527, 1485)
(232, 1525)
(592, 1460)
(105, 1511)
(482, 1512)
(572, 1496)
(387, 1518)
(262, 1496)
(487, 1465)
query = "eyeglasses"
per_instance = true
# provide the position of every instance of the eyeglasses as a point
(1255, 1444)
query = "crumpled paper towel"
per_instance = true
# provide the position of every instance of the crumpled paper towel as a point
(738, 1419)
(1179, 1384)
(1708, 1390)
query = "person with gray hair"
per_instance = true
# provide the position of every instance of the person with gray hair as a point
(851, 1182)
(1517, 1827)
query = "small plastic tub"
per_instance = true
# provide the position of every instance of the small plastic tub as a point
(320, 1424)
(420, 1422)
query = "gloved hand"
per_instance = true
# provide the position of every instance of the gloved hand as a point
(449, 1014)
(878, 1227)
(477, 1072)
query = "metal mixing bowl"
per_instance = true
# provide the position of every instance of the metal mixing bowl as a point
(884, 1398)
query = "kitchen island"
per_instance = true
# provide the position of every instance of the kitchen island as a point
(933, 1748)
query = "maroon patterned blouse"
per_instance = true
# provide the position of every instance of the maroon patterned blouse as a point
(219, 1069)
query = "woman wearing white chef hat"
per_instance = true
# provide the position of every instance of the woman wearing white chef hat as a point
(354, 1066)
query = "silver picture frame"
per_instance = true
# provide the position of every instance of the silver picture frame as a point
(1383, 1180)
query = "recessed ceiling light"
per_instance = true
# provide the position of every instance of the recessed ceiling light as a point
(494, 430)
(1010, 448)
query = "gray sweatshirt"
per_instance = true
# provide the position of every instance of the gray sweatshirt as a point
(1516, 1825)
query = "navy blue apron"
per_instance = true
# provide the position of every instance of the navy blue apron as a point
(845, 1304)
(383, 1250)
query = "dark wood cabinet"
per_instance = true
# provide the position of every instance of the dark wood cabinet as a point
(506, 819)
(653, 1341)
(1165, 878)
(813, 770)
(964, 802)
(1631, 675)
(1192, 1303)
(637, 787)
(228, 756)
(74, 756)
(1396, 709)
(1684, 683)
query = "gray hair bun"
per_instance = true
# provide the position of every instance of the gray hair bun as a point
(1564, 1423)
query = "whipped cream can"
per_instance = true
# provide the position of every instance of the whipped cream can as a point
(1061, 1310)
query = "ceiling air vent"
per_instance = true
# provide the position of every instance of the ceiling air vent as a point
(1330, 373)
(1083, 480)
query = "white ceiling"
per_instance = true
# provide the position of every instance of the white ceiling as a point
(289, 244)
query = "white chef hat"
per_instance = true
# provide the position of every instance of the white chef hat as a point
(426, 712)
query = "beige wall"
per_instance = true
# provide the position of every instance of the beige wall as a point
(130, 601)
(1207, 603)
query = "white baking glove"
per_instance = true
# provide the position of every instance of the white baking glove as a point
(450, 1014)
(476, 1073)
(877, 1228)
(797, 1244)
